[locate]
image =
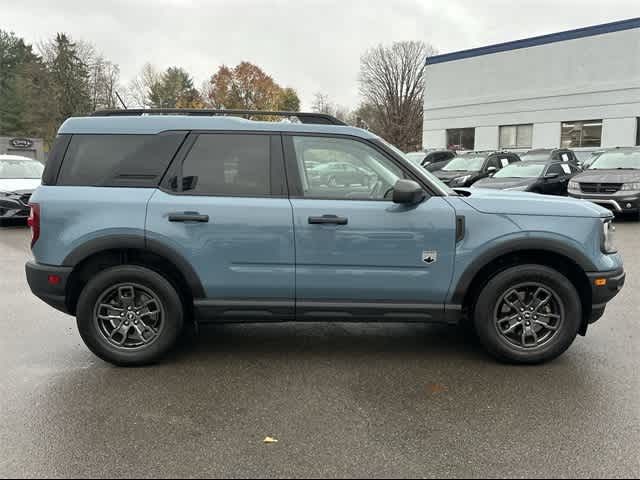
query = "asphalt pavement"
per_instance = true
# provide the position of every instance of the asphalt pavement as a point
(342, 400)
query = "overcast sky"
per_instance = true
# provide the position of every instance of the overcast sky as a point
(311, 45)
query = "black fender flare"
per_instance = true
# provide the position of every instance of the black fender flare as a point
(138, 242)
(514, 246)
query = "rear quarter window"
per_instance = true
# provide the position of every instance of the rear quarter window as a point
(118, 160)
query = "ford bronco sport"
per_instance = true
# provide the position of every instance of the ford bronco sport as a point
(147, 220)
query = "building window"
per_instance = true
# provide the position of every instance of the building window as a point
(461, 138)
(586, 133)
(516, 136)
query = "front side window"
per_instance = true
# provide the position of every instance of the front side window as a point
(228, 164)
(17, 169)
(461, 138)
(581, 134)
(516, 136)
(344, 169)
(557, 169)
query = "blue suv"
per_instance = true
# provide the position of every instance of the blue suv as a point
(148, 221)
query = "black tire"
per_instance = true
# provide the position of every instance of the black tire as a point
(492, 303)
(170, 306)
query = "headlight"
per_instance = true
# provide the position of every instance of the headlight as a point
(631, 186)
(459, 180)
(518, 189)
(574, 186)
(608, 230)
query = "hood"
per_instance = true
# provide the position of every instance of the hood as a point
(444, 175)
(19, 185)
(503, 183)
(608, 176)
(523, 203)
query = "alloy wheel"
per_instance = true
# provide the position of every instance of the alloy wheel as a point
(129, 316)
(528, 315)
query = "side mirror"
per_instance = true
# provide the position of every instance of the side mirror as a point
(408, 192)
(551, 176)
(492, 170)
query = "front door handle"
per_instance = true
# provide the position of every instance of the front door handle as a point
(328, 220)
(188, 217)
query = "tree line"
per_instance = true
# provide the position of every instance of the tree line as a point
(42, 85)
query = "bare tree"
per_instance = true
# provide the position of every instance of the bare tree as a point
(103, 82)
(392, 86)
(139, 88)
(322, 104)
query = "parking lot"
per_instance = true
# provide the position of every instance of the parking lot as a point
(342, 400)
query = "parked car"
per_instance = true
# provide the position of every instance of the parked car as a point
(550, 178)
(549, 154)
(468, 168)
(336, 174)
(19, 177)
(612, 180)
(432, 160)
(148, 222)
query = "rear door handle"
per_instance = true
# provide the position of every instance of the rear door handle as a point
(328, 220)
(188, 217)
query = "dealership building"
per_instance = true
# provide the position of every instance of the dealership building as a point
(577, 89)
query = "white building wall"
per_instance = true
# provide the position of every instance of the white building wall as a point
(546, 134)
(590, 78)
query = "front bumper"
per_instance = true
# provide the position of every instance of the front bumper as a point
(604, 291)
(14, 207)
(621, 202)
(38, 278)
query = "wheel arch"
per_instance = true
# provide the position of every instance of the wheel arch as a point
(572, 264)
(98, 254)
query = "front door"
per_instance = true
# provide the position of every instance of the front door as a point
(225, 210)
(358, 254)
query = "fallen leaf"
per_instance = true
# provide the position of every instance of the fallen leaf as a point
(270, 440)
(434, 388)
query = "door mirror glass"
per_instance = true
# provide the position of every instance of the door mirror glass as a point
(408, 192)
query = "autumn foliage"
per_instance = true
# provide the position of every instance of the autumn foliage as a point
(248, 87)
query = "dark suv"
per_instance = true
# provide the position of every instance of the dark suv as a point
(612, 180)
(432, 160)
(550, 154)
(468, 168)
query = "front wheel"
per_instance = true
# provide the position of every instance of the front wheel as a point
(528, 314)
(129, 315)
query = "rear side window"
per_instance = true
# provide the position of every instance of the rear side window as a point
(118, 160)
(228, 164)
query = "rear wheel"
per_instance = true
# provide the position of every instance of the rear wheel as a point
(129, 315)
(528, 314)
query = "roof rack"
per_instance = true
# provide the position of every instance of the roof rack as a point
(303, 117)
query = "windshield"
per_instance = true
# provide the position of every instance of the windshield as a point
(463, 163)
(13, 169)
(521, 170)
(629, 160)
(533, 156)
(415, 157)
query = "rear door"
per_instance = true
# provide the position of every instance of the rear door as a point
(224, 208)
(359, 255)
